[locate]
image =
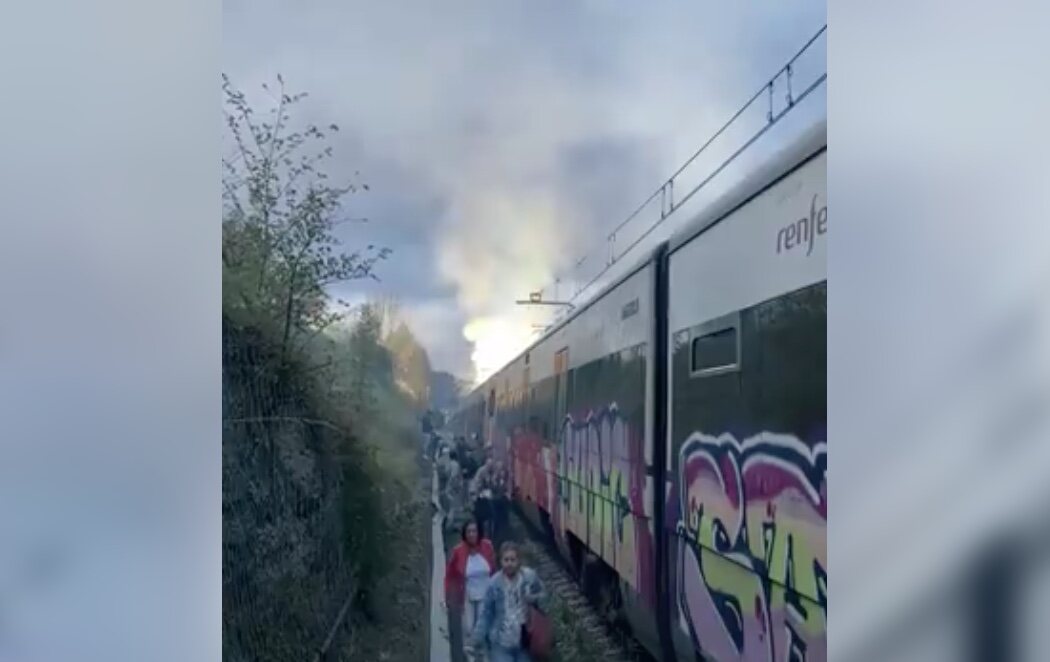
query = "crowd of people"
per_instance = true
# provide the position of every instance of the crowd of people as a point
(497, 601)
(465, 484)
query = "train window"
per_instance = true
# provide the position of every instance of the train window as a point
(715, 350)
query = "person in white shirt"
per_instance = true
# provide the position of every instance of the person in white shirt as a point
(470, 565)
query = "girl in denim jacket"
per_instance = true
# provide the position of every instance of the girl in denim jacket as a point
(505, 607)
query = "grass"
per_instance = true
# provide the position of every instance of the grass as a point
(395, 628)
(571, 642)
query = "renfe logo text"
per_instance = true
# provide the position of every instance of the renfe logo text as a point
(804, 231)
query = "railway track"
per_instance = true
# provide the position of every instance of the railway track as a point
(581, 633)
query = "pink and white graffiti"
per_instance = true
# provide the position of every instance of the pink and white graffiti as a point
(752, 550)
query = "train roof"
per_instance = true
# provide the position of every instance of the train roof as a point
(800, 150)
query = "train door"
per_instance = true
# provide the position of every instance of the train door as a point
(490, 418)
(524, 398)
(561, 387)
(561, 366)
(520, 435)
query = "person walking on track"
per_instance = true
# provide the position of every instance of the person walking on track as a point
(499, 481)
(491, 491)
(511, 593)
(453, 490)
(470, 565)
(481, 494)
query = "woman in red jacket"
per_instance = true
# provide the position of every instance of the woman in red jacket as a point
(470, 564)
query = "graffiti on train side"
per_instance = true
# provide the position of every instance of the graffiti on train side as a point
(752, 556)
(593, 485)
(533, 470)
(602, 491)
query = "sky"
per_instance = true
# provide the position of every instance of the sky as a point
(502, 140)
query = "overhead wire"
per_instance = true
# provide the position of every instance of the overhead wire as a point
(666, 190)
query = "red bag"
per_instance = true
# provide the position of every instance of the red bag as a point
(540, 634)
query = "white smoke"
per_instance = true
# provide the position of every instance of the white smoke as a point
(480, 108)
(499, 246)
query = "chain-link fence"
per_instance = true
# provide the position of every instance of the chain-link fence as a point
(288, 579)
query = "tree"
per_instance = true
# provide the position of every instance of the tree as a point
(280, 212)
(412, 366)
(389, 311)
(443, 390)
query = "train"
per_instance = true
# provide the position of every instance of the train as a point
(669, 437)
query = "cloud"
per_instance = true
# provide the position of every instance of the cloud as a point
(501, 140)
